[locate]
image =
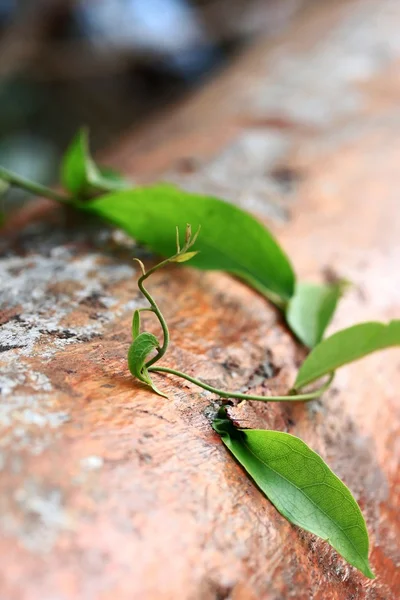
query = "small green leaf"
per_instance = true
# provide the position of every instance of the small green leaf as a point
(80, 174)
(180, 258)
(311, 309)
(346, 346)
(139, 350)
(302, 487)
(232, 240)
(135, 324)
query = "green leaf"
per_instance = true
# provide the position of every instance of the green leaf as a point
(311, 309)
(80, 174)
(232, 240)
(106, 180)
(180, 258)
(346, 346)
(302, 487)
(139, 350)
(135, 324)
(110, 179)
(77, 165)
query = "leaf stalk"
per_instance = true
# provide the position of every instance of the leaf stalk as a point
(228, 394)
(32, 187)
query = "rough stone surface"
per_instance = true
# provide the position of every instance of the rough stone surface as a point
(110, 492)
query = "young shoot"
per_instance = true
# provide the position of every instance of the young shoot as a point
(144, 344)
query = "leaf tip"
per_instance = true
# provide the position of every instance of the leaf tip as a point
(196, 235)
(188, 233)
(367, 571)
(158, 392)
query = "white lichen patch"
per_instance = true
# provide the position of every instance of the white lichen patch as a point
(18, 373)
(15, 334)
(29, 423)
(35, 516)
(91, 463)
(27, 410)
(28, 419)
(46, 289)
(51, 295)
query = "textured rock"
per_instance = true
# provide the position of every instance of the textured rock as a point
(110, 492)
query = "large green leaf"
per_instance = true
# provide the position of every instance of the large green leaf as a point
(311, 309)
(231, 239)
(79, 173)
(346, 346)
(302, 487)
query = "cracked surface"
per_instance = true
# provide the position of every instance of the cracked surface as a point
(110, 492)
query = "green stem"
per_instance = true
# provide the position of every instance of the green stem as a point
(157, 312)
(225, 394)
(31, 186)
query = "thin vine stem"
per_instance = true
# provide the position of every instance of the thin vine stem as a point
(227, 394)
(161, 351)
(31, 186)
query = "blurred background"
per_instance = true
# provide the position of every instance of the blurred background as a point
(110, 64)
